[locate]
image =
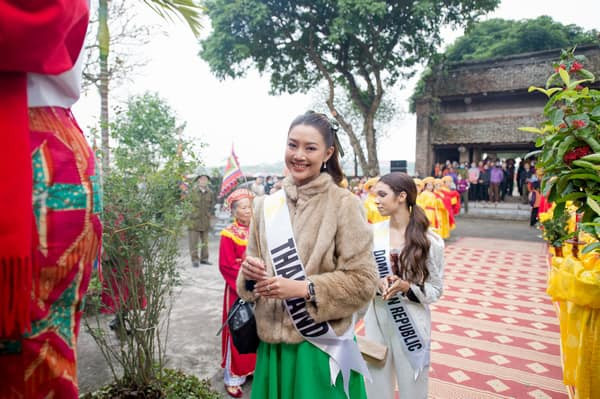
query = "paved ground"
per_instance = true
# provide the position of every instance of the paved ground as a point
(196, 316)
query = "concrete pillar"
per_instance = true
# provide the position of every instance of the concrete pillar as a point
(463, 156)
(477, 153)
(424, 147)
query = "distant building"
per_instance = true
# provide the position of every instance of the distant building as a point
(474, 108)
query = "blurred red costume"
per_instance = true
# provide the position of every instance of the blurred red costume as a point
(49, 199)
(232, 251)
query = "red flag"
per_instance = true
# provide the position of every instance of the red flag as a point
(232, 173)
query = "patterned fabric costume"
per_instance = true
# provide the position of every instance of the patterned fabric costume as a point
(66, 199)
(232, 251)
(49, 227)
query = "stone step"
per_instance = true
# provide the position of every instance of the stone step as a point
(500, 210)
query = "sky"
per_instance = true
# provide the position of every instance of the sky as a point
(242, 113)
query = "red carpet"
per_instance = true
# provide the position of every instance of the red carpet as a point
(495, 333)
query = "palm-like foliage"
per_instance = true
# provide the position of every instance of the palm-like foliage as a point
(189, 10)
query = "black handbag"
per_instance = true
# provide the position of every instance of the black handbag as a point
(240, 319)
(242, 327)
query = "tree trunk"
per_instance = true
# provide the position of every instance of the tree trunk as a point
(103, 42)
(358, 152)
(369, 133)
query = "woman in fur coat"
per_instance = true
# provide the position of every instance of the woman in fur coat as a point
(314, 285)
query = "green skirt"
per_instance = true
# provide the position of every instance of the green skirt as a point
(299, 371)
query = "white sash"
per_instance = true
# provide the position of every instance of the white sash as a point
(415, 346)
(343, 351)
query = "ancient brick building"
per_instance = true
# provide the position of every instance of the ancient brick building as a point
(473, 109)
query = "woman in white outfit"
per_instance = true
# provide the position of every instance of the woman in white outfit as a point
(410, 260)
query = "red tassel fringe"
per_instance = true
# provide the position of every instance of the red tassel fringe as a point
(17, 277)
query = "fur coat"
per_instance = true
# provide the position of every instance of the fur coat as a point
(335, 245)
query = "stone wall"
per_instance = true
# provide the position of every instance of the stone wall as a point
(485, 127)
(512, 73)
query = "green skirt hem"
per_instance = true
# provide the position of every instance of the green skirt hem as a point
(299, 371)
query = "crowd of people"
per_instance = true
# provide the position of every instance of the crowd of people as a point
(491, 180)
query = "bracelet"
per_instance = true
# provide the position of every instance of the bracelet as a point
(310, 296)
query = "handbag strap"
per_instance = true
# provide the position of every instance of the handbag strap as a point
(231, 314)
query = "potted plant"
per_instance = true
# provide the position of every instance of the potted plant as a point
(555, 232)
(569, 140)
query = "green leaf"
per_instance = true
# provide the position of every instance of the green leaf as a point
(584, 176)
(556, 116)
(591, 247)
(574, 196)
(596, 111)
(551, 102)
(574, 84)
(550, 192)
(594, 205)
(531, 130)
(550, 92)
(189, 10)
(559, 210)
(564, 75)
(532, 153)
(587, 74)
(549, 81)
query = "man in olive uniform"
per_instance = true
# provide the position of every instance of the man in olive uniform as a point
(203, 201)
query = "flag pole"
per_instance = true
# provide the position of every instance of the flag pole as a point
(243, 174)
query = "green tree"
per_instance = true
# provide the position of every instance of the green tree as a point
(500, 37)
(146, 131)
(143, 215)
(359, 46)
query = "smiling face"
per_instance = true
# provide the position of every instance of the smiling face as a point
(305, 153)
(386, 200)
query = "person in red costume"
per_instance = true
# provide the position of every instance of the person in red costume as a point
(441, 194)
(451, 193)
(232, 251)
(50, 231)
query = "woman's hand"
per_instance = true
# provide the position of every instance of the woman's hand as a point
(383, 285)
(281, 288)
(254, 269)
(396, 285)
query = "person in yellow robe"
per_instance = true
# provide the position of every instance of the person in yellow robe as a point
(448, 220)
(373, 215)
(419, 184)
(434, 209)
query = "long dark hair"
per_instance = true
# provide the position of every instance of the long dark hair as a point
(328, 132)
(413, 258)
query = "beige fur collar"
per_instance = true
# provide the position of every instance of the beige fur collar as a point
(305, 191)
